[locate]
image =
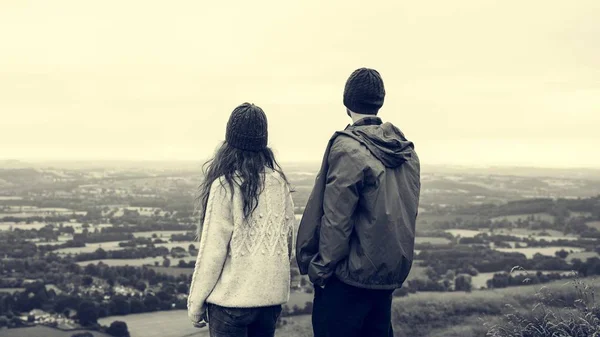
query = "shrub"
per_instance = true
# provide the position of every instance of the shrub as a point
(118, 329)
(576, 317)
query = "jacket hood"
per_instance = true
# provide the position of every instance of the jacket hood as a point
(386, 142)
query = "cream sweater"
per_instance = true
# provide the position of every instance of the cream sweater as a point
(244, 264)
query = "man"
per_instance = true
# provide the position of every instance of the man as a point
(356, 237)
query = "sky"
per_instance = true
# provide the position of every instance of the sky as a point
(470, 82)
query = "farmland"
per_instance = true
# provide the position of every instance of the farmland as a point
(424, 314)
(141, 226)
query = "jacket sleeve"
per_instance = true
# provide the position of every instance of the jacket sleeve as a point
(342, 190)
(214, 244)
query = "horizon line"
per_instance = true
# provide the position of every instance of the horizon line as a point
(291, 162)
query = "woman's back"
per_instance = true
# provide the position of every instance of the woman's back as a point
(257, 267)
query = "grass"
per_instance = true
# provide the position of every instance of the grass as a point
(583, 256)
(432, 240)
(424, 314)
(44, 331)
(158, 324)
(173, 271)
(578, 319)
(11, 290)
(299, 299)
(134, 262)
(593, 224)
(417, 272)
(176, 324)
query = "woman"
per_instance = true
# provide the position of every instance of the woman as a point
(246, 231)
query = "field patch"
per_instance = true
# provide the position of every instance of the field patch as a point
(134, 262)
(173, 323)
(39, 331)
(583, 256)
(593, 224)
(432, 240)
(159, 234)
(531, 251)
(173, 271)
(523, 217)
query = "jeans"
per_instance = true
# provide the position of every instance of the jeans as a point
(340, 310)
(242, 322)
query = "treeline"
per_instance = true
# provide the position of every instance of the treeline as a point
(461, 259)
(504, 280)
(130, 253)
(558, 207)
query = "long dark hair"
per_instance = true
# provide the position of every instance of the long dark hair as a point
(245, 169)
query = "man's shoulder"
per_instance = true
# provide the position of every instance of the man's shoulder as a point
(345, 142)
(346, 148)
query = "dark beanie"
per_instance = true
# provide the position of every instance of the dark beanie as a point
(364, 92)
(247, 128)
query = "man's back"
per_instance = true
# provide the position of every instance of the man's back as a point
(386, 171)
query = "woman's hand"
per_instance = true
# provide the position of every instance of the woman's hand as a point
(203, 320)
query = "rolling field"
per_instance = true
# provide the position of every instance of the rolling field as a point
(43, 331)
(418, 315)
(173, 271)
(523, 217)
(158, 324)
(530, 252)
(432, 240)
(160, 234)
(90, 248)
(132, 262)
(583, 256)
(5, 226)
(11, 290)
(417, 272)
(593, 224)
(461, 314)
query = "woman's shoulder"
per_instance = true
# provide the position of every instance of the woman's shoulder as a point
(274, 176)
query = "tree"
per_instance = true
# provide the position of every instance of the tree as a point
(166, 262)
(136, 306)
(463, 282)
(182, 288)
(87, 313)
(151, 303)
(118, 329)
(119, 305)
(87, 281)
(562, 254)
(140, 285)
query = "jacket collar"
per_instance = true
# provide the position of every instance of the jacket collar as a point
(368, 121)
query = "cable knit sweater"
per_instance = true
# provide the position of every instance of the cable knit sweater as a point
(244, 264)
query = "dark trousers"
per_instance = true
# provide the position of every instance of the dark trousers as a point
(343, 310)
(242, 322)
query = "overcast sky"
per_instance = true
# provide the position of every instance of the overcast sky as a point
(469, 81)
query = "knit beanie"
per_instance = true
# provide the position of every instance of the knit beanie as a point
(364, 92)
(247, 128)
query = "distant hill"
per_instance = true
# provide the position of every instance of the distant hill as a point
(521, 171)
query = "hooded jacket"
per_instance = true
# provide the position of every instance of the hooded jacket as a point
(359, 222)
